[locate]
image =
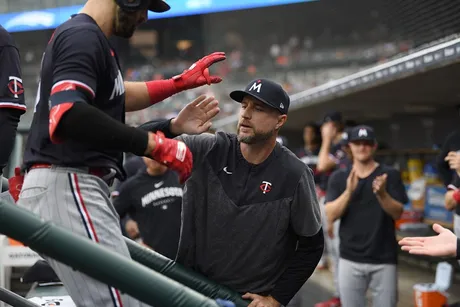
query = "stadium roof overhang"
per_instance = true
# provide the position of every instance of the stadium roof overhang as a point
(418, 83)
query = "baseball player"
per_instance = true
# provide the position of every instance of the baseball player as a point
(153, 198)
(251, 219)
(12, 104)
(367, 199)
(308, 154)
(452, 197)
(78, 136)
(331, 157)
(451, 144)
(445, 244)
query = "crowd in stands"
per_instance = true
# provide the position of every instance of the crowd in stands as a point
(297, 64)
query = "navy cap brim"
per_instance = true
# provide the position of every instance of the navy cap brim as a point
(362, 139)
(238, 96)
(159, 6)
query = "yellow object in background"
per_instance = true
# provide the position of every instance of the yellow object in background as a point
(415, 169)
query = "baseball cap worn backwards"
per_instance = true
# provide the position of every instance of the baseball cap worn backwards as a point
(267, 91)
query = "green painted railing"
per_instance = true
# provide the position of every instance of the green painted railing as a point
(96, 261)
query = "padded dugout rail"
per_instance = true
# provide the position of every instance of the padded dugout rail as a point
(179, 273)
(96, 261)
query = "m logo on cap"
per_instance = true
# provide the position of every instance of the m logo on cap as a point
(362, 132)
(256, 86)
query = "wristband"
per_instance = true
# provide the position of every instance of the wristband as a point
(159, 90)
(456, 196)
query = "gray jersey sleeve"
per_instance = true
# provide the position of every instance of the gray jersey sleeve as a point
(305, 210)
(199, 145)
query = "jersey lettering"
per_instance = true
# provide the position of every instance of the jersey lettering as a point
(161, 193)
(119, 87)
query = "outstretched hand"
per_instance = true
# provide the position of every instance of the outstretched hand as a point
(195, 117)
(198, 74)
(442, 245)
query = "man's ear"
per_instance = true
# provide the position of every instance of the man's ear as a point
(281, 120)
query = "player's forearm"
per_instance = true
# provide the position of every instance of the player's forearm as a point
(9, 119)
(167, 126)
(300, 267)
(325, 163)
(99, 131)
(390, 205)
(141, 95)
(336, 208)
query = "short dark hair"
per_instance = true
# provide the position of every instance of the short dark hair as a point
(317, 130)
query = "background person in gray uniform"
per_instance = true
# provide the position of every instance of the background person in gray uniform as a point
(367, 198)
(251, 219)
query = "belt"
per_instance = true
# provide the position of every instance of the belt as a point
(106, 174)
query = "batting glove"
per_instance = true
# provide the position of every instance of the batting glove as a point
(174, 154)
(198, 74)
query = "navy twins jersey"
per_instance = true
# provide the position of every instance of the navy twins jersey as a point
(11, 88)
(155, 203)
(78, 66)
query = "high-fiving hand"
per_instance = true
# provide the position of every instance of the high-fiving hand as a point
(198, 74)
(442, 245)
(195, 117)
(172, 153)
(453, 158)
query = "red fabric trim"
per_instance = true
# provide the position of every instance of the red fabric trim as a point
(22, 108)
(83, 207)
(71, 85)
(159, 90)
(56, 114)
(65, 86)
(456, 196)
(117, 293)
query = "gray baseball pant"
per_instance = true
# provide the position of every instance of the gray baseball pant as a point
(73, 199)
(333, 248)
(356, 278)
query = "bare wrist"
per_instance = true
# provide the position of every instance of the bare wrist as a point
(382, 195)
(173, 127)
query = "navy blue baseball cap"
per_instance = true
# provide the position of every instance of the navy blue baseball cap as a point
(333, 117)
(267, 91)
(362, 133)
(344, 141)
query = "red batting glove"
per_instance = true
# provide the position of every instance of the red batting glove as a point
(198, 74)
(174, 154)
(15, 184)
